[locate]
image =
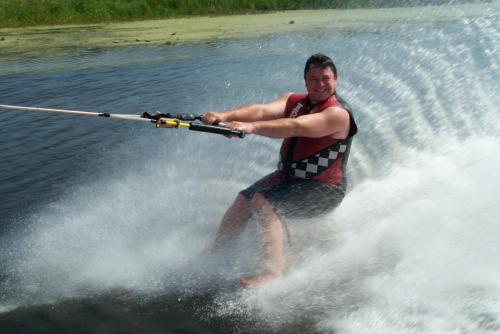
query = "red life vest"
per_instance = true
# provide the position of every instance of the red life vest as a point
(322, 159)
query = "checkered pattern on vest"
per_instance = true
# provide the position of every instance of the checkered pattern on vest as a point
(316, 163)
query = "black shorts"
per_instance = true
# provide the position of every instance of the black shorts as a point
(297, 198)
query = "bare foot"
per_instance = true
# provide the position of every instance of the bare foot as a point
(261, 279)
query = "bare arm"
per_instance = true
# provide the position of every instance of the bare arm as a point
(251, 112)
(333, 121)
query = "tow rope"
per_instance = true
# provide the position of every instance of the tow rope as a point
(160, 120)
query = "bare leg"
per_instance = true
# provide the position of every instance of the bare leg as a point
(273, 242)
(234, 221)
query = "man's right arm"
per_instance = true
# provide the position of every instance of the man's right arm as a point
(250, 112)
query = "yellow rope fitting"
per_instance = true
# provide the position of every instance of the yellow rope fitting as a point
(170, 123)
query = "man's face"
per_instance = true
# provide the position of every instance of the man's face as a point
(320, 83)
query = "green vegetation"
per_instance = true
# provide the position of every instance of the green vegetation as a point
(19, 13)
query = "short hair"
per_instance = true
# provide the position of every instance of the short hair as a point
(320, 60)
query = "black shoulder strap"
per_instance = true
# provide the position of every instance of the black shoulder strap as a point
(347, 107)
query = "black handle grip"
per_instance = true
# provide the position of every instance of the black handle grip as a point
(181, 117)
(216, 129)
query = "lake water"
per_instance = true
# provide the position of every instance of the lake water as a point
(104, 223)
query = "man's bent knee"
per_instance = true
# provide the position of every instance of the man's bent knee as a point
(241, 201)
(260, 203)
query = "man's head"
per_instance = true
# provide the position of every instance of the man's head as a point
(321, 61)
(320, 76)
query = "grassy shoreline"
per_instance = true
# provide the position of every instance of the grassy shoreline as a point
(52, 40)
(24, 13)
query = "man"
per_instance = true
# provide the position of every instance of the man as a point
(317, 129)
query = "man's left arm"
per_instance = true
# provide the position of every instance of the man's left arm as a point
(333, 122)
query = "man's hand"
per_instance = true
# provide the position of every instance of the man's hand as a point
(244, 127)
(213, 117)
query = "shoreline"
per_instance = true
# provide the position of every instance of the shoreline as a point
(41, 40)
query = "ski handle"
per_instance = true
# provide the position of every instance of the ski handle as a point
(161, 120)
(172, 120)
(216, 129)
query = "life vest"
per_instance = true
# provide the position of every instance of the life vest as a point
(322, 159)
